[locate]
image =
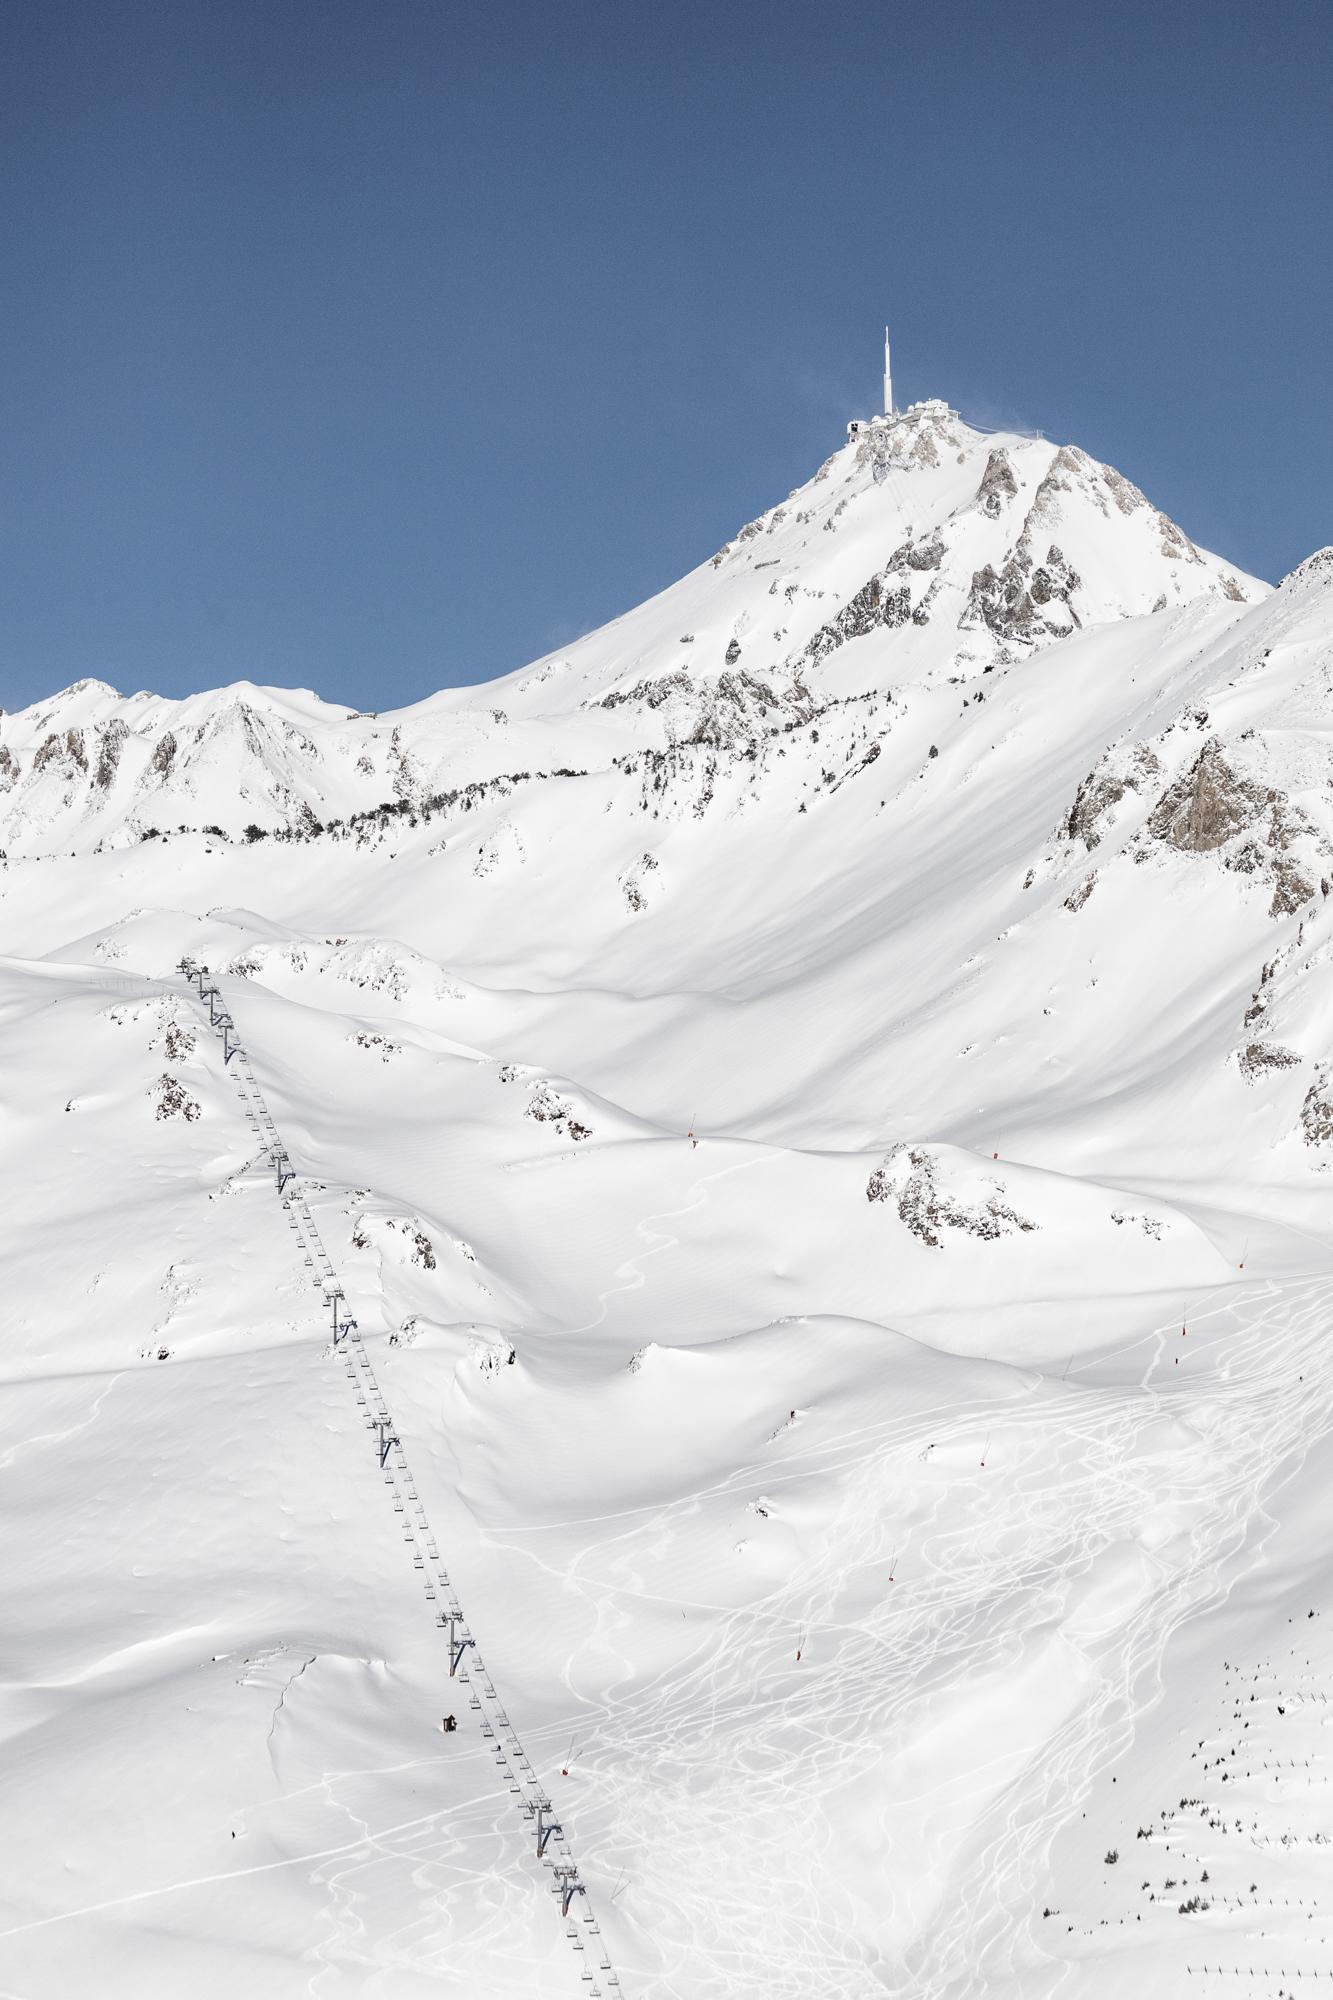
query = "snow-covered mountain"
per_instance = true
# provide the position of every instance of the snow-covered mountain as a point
(819, 1099)
(950, 550)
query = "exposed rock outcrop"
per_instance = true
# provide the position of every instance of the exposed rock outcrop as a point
(1257, 1057)
(1103, 789)
(548, 1108)
(1211, 805)
(998, 485)
(1317, 1112)
(173, 1100)
(1024, 602)
(908, 1177)
(633, 881)
(111, 740)
(1208, 805)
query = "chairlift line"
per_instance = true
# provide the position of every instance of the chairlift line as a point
(511, 1759)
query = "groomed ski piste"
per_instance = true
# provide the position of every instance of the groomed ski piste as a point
(758, 1190)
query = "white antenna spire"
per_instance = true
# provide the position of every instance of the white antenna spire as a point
(888, 378)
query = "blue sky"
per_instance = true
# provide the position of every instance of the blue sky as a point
(376, 347)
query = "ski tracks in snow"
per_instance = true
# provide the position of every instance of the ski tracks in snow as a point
(659, 1241)
(775, 1811)
(40, 1438)
(767, 1799)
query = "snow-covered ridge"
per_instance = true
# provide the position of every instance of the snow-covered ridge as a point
(934, 547)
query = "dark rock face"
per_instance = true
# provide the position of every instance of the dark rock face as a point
(1291, 888)
(1101, 791)
(651, 693)
(1010, 602)
(1098, 793)
(1208, 805)
(547, 1108)
(1260, 1056)
(875, 603)
(174, 1101)
(918, 556)
(925, 555)
(1124, 493)
(998, 485)
(736, 711)
(1054, 580)
(909, 1175)
(1211, 804)
(1317, 1113)
(111, 741)
(67, 751)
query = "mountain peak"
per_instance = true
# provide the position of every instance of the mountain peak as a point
(923, 551)
(929, 542)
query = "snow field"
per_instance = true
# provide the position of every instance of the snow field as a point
(818, 1100)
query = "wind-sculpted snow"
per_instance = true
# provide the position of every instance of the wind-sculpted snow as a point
(819, 1098)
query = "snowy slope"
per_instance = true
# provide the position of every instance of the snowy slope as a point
(965, 551)
(828, 1152)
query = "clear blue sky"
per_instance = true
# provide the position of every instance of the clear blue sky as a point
(372, 345)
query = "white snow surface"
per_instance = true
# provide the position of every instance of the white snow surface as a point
(828, 1151)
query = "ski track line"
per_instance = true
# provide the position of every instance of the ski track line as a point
(1264, 1413)
(721, 1742)
(498, 1732)
(658, 1241)
(60, 1437)
(175, 1889)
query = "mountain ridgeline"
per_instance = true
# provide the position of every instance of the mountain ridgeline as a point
(921, 553)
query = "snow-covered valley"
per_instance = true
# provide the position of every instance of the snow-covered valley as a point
(817, 1098)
